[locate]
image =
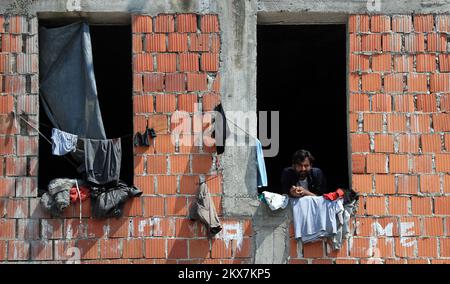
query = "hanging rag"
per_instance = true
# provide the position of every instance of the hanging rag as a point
(203, 209)
(141, 139)
(102, 159)
(63, 142)
(262, 174)
(275, 201)
(108, 200)
(221, 130)
(57, 198)
(339, 193)
(80, 193)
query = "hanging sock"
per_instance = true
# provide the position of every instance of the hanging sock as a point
(63, 142)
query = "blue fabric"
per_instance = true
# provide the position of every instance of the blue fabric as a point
(262, 174)
(63, 142)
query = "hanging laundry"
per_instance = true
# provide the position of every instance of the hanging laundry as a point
(262, 174)
(339, 193)
(63, 142)
(102, 160)
(57, 198)
(203, 209)
(108, 201)
(221, 129)
(142, 139)
(275, 201)
(315, 217)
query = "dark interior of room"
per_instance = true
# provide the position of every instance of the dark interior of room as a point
(111, 49)
(301, 72)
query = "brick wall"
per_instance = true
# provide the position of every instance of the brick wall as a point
(175, 63)
(399, 94)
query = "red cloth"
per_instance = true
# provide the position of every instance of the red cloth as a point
(339, 193)
(84, 192)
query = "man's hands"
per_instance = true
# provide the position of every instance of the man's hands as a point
(298, 191)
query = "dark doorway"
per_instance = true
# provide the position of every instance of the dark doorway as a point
(302, 74)
(111, 49)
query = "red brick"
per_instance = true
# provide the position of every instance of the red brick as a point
(431, 143)
(443, 163)
(446, 185)
(165, 103)
(402, 23)
(359, 62)
(167, 184)
(421, 205)
(433, 226)
(376, 163)
(156, 164)
(403, 63)
(165, 144)
(444, 248)
(375, 205)
(15, 84)
(371, 82)
(220, 249)
(360, 247)
(354, 43)
(41, 250)
(185, 228)
(444, 62)
(385, 184)
(358, 163)
(179, 164)
(426, 62)
(396, 123)
(353, 81)
(398, 164)
(139, 165)
(178, 42)
(18, 250)
(441, 122)
(155, 43)
(440, 82)
(119, 228)
(407, 184)
(395, 261)
(153, 206)
(159, 123)
(429, 184)
(28, 229)
(199, 42)
(362, 183)
(11, 43)
(187, 23)
(142, 104)
(384, 143)
(393, 83)
(380, 23)
(7, 125)
(422, 164)
(436, 42)
(215, 43)
(167, 62)
(88, 248)
(133, 207)
(133, 248)
(242, 250)
(142, 24)
(196, 82)
(137, 43)
(398, 205)
(110, 248)
(427, 103)
(176, 206)
(187, 102)
(142, 62)
(210, 101)
(443, 23)
(392, 42)
(7, 229)
(14, 208)
(155, 248)
(6, 104)
(27, 145)
(313, 250)
(209, 24)
(371, 42)
(427, 247)
(153, 82)
(164, 24)
(420, 123)
(360, 142)
(210, 62)
(359, 102)
(201, 163)
(137, 83)
(189, 184)
(382, 103)
(177, 249)
(175, 82)
(373, 122)
(404, 103)
(415, 43)
(423, 23)
(381, 62)
(353, 120)
(7, 186)
(189, 62)
(97, 228)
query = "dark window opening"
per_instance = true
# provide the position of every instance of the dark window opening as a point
(111, 49)
(302, 74)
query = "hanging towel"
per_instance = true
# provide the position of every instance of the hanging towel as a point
(204, 210)
(262, 174)
(102, 160)
(63, 142)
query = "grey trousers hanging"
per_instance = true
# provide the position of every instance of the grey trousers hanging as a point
(203, 209)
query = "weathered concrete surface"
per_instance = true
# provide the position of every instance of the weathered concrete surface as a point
(337, 11)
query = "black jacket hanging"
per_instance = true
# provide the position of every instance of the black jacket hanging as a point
(221, 129)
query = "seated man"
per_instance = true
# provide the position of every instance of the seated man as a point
(302, 179)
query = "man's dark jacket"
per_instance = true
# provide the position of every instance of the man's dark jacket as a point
(317, 183)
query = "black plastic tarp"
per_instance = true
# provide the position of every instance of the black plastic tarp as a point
(67, 83)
